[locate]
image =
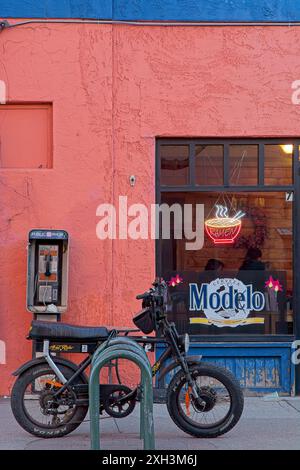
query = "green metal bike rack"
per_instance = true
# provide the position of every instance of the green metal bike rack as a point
(127, 349)
(118, 341)
(143, 421)
(127, 341)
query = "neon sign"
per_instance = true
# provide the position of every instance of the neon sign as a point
(223, 229)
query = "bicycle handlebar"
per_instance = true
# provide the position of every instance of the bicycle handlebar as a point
(157, 293)
(143, 296)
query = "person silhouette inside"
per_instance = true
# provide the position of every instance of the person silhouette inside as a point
(212, 269)
(214, 265)
(252, 261)
(248, 269)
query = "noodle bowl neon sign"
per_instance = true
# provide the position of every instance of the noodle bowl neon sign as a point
(223, 229)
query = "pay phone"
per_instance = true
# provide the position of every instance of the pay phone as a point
(47, 271)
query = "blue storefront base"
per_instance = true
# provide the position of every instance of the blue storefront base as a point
(261, 368)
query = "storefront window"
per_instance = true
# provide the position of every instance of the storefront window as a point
(253, 273)
(241, 281)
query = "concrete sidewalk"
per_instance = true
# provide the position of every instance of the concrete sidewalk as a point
(264, 425)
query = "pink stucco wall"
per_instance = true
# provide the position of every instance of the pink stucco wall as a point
(114, 89)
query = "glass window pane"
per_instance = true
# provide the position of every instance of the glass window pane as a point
(209, 165)
(243, 165)
(174, 164)
(258, 260)
(278, 164)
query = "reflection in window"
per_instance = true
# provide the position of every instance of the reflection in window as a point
(278, 164)
(209, 165)
(243, 165)
(174, 164)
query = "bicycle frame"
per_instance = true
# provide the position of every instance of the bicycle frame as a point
(48, 347)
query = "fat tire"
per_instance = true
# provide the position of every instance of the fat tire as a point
(219, 373)
(17, 404)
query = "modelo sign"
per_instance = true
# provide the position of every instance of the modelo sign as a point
(225, 302)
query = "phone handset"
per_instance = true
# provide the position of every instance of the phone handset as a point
(48, 259)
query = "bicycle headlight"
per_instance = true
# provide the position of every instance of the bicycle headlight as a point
(185, 342)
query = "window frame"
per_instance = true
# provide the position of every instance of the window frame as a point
(260, 187)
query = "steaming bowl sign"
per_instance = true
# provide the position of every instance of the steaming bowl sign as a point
(222, 228)
(225, 302)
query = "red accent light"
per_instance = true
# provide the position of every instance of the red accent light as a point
(175, 280)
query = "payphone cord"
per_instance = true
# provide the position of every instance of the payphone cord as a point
(47, 273)
(45, 291)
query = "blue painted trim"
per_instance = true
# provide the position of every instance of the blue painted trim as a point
(89, 9)
(240, 345)
(293, 372)
(232, 352)
(208, 10)
(174, 10)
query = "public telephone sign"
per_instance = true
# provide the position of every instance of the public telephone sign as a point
(54, 234)
(225, 302)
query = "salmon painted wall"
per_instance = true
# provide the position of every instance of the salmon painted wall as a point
(114, 89)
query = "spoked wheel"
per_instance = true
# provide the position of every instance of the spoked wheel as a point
(38, 411)
(220, 405)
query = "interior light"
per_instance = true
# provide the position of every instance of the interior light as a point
(287, 148)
